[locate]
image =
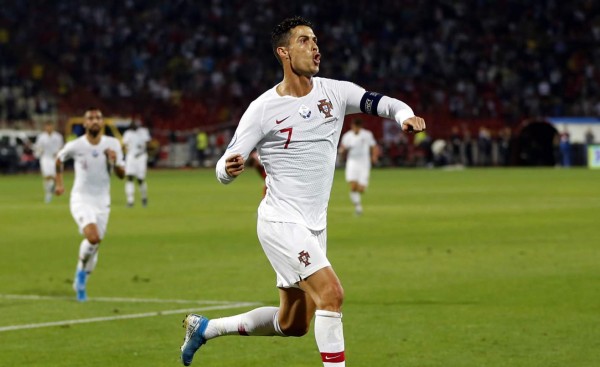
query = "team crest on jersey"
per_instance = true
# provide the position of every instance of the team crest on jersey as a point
(95, 153)
(304, 257)
(325, 107)
(304, 112)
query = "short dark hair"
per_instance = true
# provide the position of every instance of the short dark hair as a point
(92, 108)
(280, 35)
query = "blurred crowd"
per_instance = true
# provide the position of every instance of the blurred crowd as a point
(203, 62)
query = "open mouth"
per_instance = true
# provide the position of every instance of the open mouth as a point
(317, 59)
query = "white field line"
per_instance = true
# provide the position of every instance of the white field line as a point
(111, 299)
(124, 317)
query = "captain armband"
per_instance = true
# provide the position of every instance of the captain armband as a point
(369, 102)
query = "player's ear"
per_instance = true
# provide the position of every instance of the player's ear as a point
(283, 53)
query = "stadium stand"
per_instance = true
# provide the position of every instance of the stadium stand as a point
(181, 66)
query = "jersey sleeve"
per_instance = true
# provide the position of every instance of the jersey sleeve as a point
(246, 137)
(66, 152)
(359, 100)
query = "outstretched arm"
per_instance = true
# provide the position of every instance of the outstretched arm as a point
(373, 103)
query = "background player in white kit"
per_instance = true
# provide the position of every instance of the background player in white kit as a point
(296, 127)
(47, 144)
(135, 141)
(96, 157)
(359, 148)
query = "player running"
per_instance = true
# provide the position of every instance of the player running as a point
(96, 157)
(135, 141)
(295, 127)
(47, 145)
(359, 148)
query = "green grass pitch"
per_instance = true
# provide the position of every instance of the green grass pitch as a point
(481, 268)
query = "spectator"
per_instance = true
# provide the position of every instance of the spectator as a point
(565, 148)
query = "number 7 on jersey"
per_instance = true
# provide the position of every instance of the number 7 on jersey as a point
(289, 138)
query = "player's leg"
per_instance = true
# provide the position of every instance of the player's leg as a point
(141, 177)
(291, 318)
(87, 259)
(352, 176)
(48, 189)
(92, 224)
(326, 290)
(143, 191)
(355, 197)
(48, 170)
(359, 186)
(130, 173)
(130, 190)
(299, 253)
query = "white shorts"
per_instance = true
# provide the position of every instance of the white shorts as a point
(85, 214)
(295, 252)
(136, 166)
(358, 172)
(48, 166)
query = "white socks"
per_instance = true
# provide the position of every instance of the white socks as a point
(355, 198)
(48, 190)
(144, 190)
(129, 191)
(262, 321)
(329, 334)
(88, 256)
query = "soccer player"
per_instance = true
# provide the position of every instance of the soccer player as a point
(135, 142)
(360, 149)
(295, 127)
(47, 144)
(96, 157)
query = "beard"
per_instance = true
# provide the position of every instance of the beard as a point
(94, 132)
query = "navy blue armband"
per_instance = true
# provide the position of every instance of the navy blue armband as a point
(369, 102)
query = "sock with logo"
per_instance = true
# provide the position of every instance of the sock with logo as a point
(329, 334)
(87, 256)
(262, 321)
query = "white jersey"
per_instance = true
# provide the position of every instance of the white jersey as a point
(92, 176)
(135, 141)
(359, 146)
(296, 140)
(47, 145)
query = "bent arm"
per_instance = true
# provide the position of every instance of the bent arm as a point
(373, 103)
(61, 157)
(59, 187)
(120, 171)
(245, 138)
(115, 161)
